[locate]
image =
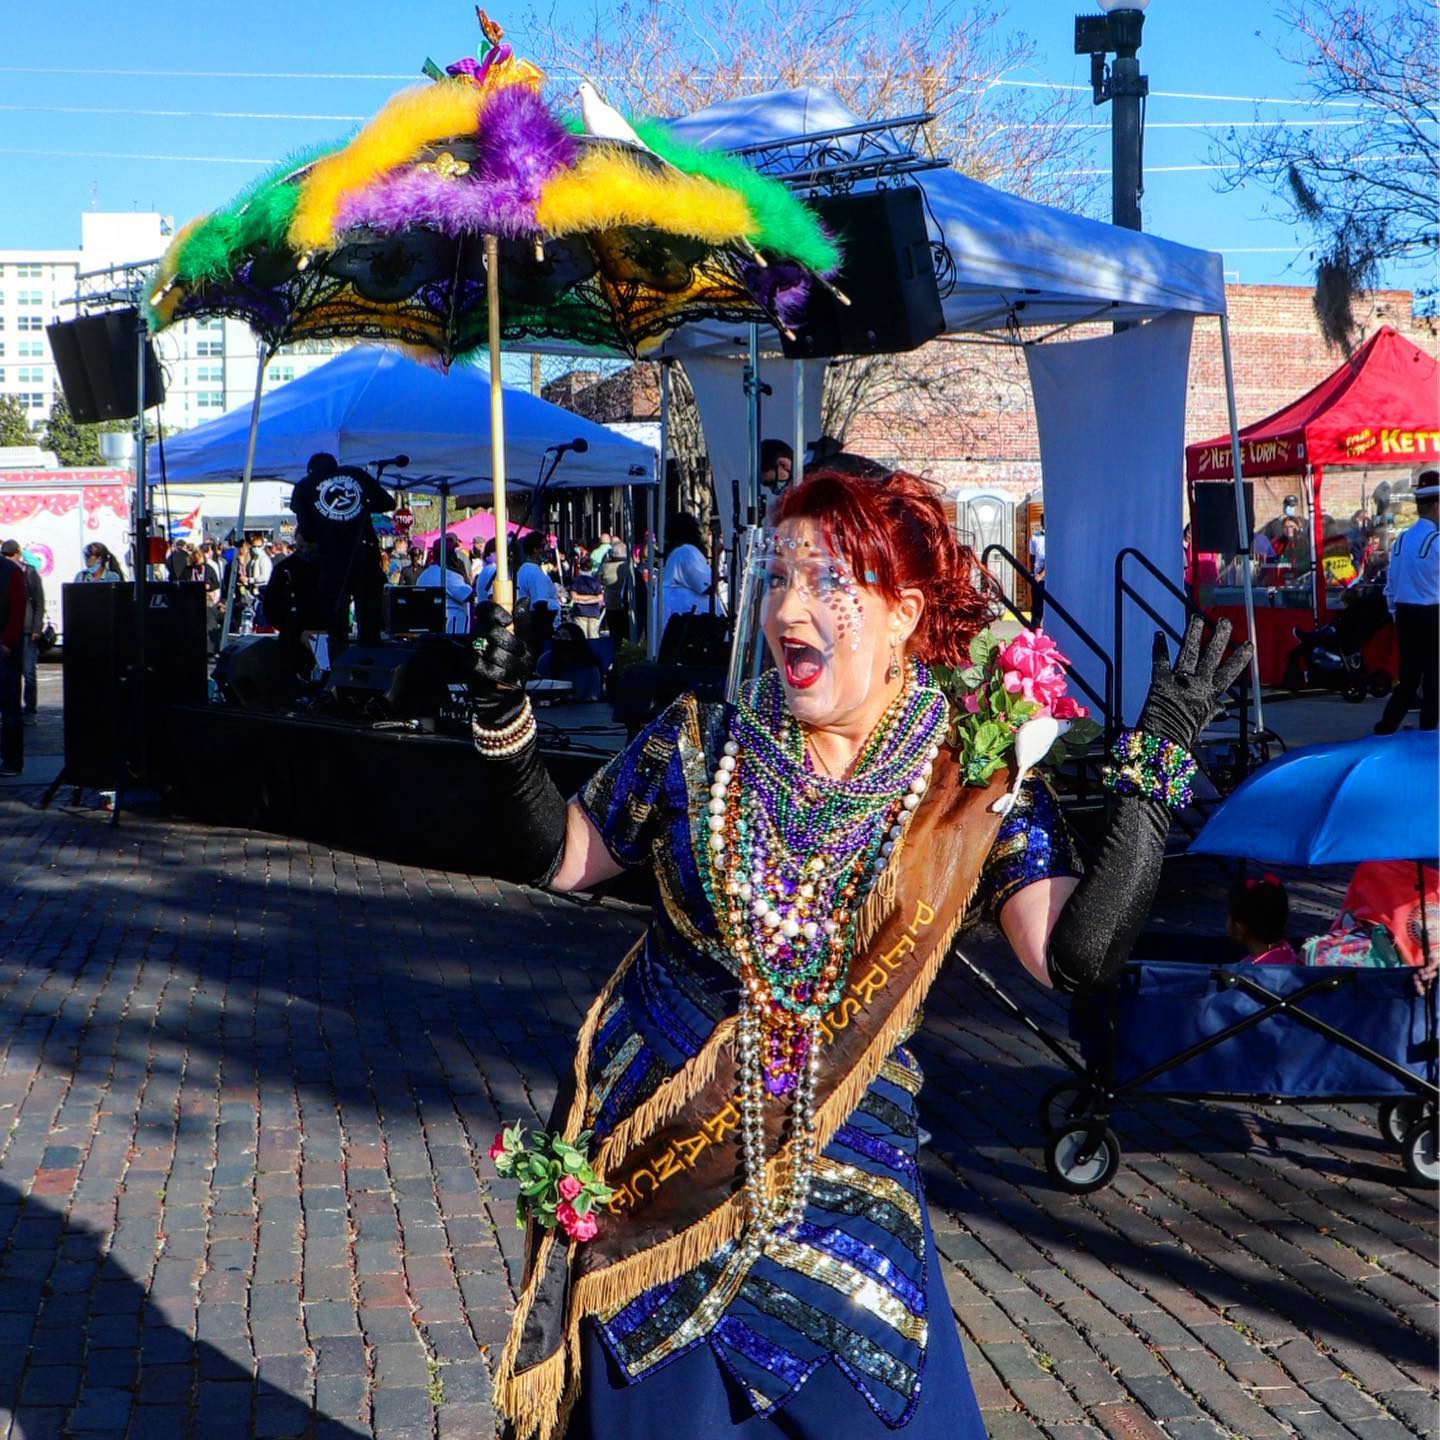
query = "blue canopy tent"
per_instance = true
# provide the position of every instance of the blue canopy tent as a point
(371, 402)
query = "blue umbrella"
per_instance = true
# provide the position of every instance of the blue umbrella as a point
(1377, 798)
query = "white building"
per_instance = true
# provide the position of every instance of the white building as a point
(209, 365)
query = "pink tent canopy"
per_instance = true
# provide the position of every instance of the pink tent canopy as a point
(479, 526)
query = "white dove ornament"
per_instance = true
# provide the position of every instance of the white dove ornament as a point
(604, 121)
(1032, 744)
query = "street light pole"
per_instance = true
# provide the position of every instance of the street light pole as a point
(1117, 32)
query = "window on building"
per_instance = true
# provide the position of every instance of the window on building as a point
(279, 374)
(214, 348)
(216, 323)
(32, 401)
(30, 375)
(30, 349)
(28, 272)
(29, 322)
(209, 374)
(29, 297)
(210, 400)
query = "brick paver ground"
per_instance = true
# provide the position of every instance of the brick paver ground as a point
(246, 1087)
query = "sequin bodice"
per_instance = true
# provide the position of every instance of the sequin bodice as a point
(847, 1285)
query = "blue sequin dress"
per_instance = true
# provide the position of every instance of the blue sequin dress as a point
(842, 1328)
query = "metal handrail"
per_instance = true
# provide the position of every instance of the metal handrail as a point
(1107, 665)
(1124, 588)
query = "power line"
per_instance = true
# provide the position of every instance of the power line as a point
(1188, 95)
(178, 114)
(356, 119)
(415, 76)
(126, 155)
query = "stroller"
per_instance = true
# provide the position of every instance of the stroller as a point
(1271, 1034)
(1331, 657)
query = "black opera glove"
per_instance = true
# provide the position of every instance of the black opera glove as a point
(1098, 927)
(528, 833)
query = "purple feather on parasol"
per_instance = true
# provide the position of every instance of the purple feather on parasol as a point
(518, 146)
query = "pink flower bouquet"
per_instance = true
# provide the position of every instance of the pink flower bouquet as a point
(557, 1185)
(1004, 686)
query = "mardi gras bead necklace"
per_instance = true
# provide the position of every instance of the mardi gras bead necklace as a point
(793, 856)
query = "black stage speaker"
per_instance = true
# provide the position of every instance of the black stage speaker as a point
(412, 611)
(888, 275)
(98, 668)
(1212, 520)
(398, 680)
(257, 672)
(695, 639)
(638, 693)
(98, 363)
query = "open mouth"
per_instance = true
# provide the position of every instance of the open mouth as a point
(803, 664)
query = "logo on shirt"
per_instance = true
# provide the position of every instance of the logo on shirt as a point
(340, 498)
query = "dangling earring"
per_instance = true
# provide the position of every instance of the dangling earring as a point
(892, 671)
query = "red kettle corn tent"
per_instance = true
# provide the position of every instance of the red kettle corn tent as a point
(1381, 407)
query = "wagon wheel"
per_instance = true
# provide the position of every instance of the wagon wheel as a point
(1082, 1157)
(1395, 1118)
(1421, 1152)
(1065, 1100)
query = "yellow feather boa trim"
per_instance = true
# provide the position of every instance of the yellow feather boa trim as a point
(408, 121)
(609, 188)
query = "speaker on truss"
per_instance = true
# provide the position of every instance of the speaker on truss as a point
(887, 274)
(98, 360)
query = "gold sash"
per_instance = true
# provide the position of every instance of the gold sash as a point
(675, 1161)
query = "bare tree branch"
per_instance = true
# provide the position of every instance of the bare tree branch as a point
(671, 57)
(1368, 190)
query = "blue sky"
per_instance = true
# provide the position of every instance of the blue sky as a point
(1224, 48)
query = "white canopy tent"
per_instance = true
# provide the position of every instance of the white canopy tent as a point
(1011, 265)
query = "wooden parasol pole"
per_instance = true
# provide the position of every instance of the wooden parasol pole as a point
(503, 592)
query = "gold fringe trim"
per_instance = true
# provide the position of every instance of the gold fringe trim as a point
(668, 1101)
(606, 1290)
(537, 1400)
(531, 1398)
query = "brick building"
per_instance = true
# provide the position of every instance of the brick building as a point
(982, 434)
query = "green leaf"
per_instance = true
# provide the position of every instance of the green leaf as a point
(600, 1193)
(983, 648)
(581, 1203)
(972, 676)
(573, 1161)
(535, 1188)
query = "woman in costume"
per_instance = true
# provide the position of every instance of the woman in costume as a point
(738, 1233)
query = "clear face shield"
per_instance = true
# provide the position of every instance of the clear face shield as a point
(801, 612)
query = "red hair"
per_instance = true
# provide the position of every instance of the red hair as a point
(892, 532)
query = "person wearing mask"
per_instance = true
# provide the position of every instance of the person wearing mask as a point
(33, 626)
(101, 567)
(12, 636)
(600, 551)
(485, 575)
(536, 600)
(777, 466)
(1412, 590)
(333, 507)
(686, 587)
(452, 579)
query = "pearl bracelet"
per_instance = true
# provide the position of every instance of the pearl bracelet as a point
(509, 739)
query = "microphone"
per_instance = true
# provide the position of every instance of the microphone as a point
(579, 445)
(399, 461)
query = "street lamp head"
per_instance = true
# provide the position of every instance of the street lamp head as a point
(1110, 6)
